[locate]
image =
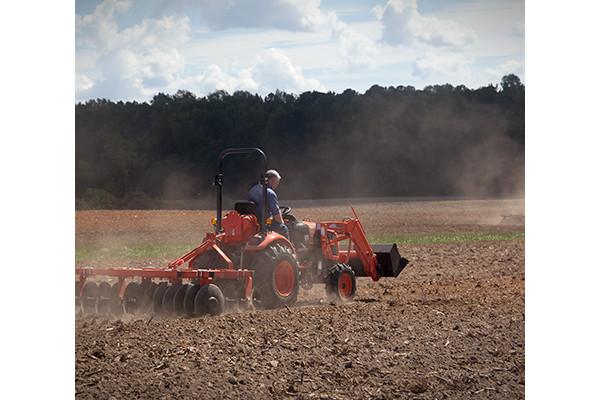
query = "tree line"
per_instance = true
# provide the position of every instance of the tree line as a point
(390, 141)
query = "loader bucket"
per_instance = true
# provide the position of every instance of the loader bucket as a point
(390, 263)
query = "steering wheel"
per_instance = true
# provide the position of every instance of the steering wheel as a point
(285, 210)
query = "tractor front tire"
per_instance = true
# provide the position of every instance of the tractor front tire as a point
(276, 276)
(340, 283)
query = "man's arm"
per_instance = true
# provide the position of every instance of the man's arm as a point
(278, 218)
(274, 206)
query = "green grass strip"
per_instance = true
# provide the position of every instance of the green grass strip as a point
(168, 251)
(173, 251)
(448, 238)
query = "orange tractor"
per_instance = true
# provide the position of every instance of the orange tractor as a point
(243, 261)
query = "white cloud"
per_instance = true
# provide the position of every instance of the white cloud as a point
(214, 78)
(279, 14)
(436, 63)
(100, 28)
(136, 61)
(139, 74)
(274, 70)
(516, 67)
(83, 83)
(357, 50)
(168, 32)
(404, 25)
(271, 70)
(143, 59)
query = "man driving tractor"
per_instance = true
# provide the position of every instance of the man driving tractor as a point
(273, 210)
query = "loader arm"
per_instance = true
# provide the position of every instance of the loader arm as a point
(362, 248)
(358, 245)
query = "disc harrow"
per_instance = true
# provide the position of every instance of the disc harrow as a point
(163, 291)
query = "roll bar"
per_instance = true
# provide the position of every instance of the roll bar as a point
(263, 181)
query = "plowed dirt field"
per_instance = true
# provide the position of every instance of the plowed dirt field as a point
(450, 326)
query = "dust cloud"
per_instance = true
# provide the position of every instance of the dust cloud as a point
(443, 153)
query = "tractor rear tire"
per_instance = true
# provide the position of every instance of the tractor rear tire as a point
(276, 277)
(340, 283)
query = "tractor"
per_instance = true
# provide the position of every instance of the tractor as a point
(245, 261)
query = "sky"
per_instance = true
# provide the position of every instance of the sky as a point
(131, 50)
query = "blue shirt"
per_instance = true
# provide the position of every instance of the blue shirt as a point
(255, 195)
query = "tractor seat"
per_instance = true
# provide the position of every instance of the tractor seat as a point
(247, 207)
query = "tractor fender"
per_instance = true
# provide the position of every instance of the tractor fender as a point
(261, 241)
